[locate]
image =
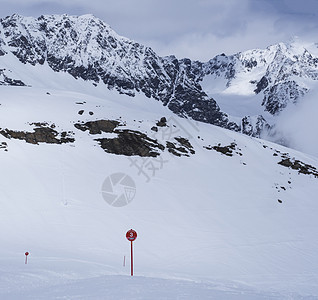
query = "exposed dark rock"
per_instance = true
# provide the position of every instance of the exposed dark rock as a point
(185, 143)
(2, 52)
(5, 80)
(254, 126)
(39, 135)
(229, 150)
(80, 112)
(177, 151)
(250, 63)
(162, 122)
(261, 85)
(129, 143)
(301, 167)
(279, 95)
(182, 148)
(4, 145)
(99, 126)
(154, 128)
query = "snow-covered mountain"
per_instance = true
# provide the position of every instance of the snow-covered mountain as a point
(87, 48)
(282, 73)
(258, 85)
(219, 214)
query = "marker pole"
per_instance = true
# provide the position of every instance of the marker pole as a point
(131, 235)
(26, 257)
(131, 259)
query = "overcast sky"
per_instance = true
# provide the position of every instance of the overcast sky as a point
(198, 29)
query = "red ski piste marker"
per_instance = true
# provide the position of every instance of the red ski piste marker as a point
(26, 257)
(131, 235)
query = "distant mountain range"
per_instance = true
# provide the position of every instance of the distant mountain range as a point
(87, 48)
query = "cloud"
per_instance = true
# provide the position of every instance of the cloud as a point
(36, 8)
(298, 124)
(204, 46)
(196, 29)
(203, 29)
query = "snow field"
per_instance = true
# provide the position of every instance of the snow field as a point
(210, 219)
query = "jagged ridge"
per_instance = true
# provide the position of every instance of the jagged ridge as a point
(87, 48)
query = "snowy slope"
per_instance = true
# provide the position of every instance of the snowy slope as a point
(209, 225)
(219, 215)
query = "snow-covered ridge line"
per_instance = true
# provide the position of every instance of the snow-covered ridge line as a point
(87, 48)
(281, 73)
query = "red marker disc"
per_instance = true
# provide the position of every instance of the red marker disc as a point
(131, 235)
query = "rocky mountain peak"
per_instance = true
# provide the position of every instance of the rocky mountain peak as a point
(88, 49)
